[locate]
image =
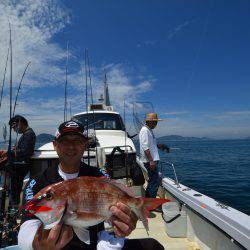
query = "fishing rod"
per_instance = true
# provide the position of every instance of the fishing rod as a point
(4, 191)
(92, 100)
(125, 150)
(19, 87)
(4, 132)
(11, 83)
(86, 97)
(18, 90)
(66, 84)
(70, 112)
(4, 75)
(87, 74)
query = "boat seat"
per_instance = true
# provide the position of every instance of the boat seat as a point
(119, 163)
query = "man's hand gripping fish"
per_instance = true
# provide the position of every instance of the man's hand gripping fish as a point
(86, 201)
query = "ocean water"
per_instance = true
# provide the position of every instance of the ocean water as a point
(217, 168)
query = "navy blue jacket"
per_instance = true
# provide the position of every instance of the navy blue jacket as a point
(50, 176)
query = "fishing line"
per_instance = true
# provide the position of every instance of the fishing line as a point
(138, 118)
(66, 84)
(196, 58)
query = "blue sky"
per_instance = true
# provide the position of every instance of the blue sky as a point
(189, 58)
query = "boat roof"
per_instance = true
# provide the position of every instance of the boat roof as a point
(97, 111)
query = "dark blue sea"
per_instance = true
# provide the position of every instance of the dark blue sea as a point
(217, 168)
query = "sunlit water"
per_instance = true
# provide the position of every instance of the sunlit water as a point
(217, 168)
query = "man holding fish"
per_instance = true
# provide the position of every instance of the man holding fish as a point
(67, 204)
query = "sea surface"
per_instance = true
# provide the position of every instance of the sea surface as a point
(217, 168)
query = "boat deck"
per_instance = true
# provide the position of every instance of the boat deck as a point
(157, 231)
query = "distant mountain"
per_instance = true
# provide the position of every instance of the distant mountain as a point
(44, 138)
(181, 138)
(41, 138)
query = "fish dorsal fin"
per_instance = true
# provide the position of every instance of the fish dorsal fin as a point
(119, 185)
(82, 234)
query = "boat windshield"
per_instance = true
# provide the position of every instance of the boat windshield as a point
(101, 121)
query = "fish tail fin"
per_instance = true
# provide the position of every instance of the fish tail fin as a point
(147, 204)
(143, 214)
(152, 203)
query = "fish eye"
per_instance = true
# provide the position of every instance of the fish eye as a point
(49, 195)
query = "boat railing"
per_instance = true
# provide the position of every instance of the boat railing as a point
(126, 148)
(173, 167)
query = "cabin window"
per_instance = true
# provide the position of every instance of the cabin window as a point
(101, 121)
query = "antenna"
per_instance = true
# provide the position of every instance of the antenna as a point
(106, 92)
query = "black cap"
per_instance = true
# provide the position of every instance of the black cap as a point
(70, 127)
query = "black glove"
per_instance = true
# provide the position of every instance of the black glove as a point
(163, 147)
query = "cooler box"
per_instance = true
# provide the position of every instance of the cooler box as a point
(175, 220)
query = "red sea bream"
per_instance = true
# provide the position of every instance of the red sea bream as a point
(86, 201)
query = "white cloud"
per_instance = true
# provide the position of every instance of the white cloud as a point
(122, 84)
(176, 113)
(34, 24)
(230, 124)
(178, 28)
(147, 43)
(232, 115)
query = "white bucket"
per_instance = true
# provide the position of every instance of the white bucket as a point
(175, 220)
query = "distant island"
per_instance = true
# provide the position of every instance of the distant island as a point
(44, 138)
(41, 138)
(181, 138)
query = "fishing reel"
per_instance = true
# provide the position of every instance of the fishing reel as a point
(9, 227)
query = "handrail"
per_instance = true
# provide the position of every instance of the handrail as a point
(175, 175)
(122, 146)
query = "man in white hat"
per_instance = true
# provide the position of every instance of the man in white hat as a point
(149, 153)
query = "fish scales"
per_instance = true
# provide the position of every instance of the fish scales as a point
(93, 195)
(86, 201)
